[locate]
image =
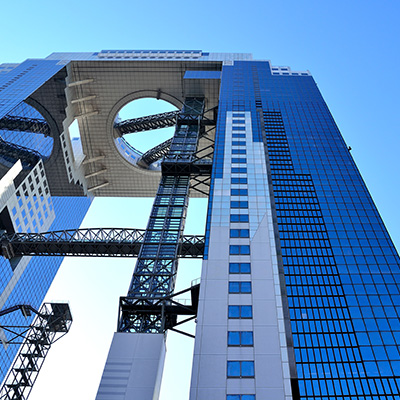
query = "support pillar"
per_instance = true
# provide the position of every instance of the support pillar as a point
(134, 366)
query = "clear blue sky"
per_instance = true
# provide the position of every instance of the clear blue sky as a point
(350, 47)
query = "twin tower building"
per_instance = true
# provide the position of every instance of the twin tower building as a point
(299, 293)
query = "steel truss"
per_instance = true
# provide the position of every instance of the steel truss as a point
(51, 323)
(149, 306)
(154, 154)
(148, 123)
(103, 242)
(161, 150)
(153, 280)
(162, 310)
(11, 153)
(23, 124)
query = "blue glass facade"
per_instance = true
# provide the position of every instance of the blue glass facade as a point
(339, 266)
(338, 269)
(25, 135)
(37, 277)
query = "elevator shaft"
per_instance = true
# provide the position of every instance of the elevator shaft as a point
(156, 267)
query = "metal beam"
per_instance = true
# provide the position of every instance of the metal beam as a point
(52, 322)
(22, 124)
(148, 123)
(156, 267)
(105, 242)
(164, 120)
(11, 153)
(156, 153)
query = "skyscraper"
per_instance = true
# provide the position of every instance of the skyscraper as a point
(300, 282)
(30, 201)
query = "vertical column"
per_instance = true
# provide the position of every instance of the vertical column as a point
(135, 362)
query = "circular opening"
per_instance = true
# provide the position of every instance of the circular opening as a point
(146, 140)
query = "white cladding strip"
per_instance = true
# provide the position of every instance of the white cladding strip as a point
(7, 187)
(269, 353)
(133, 368)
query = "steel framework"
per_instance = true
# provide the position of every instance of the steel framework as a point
(155, 153)
(51, 323)
(103, 242)
(148, 123)
(23, 124)
(155, 272)
(11, 153)
(161, 150)
(167, 308)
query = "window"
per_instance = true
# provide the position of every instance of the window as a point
(239, 160)
(239, 180)
(240, 312)
(238, 121)
(240, 369)
(239, 192)
(239, 287)
(239, 249)
(238, 143)
(238, 151)
(239, 218)
(238, 115)
(238, 135)
(238, 128)
(240, 397)
(240, 338)
(241, 170)
(239, 204)
(239, 268)
(239, 233)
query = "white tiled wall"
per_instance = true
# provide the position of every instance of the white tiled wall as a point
(269, 353)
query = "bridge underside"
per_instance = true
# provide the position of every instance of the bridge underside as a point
(106, 171)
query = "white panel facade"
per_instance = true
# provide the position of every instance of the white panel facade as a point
(267, 353)
(134, 366)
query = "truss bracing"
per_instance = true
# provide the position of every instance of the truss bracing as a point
(23, 124)
(103, 242)
(153, 280)
(146, 315)
(147, 123)
(11, 153)
(51, 323)
(161, 150)
(155, 153)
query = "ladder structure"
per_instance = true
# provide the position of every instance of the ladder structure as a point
(52, 322)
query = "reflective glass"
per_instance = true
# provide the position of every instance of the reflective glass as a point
(233, 370)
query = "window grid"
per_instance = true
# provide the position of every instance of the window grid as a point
(240, 369)
(240, 338)
(239, 268)
(239, 287)
(331, 359)
(240, 312)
